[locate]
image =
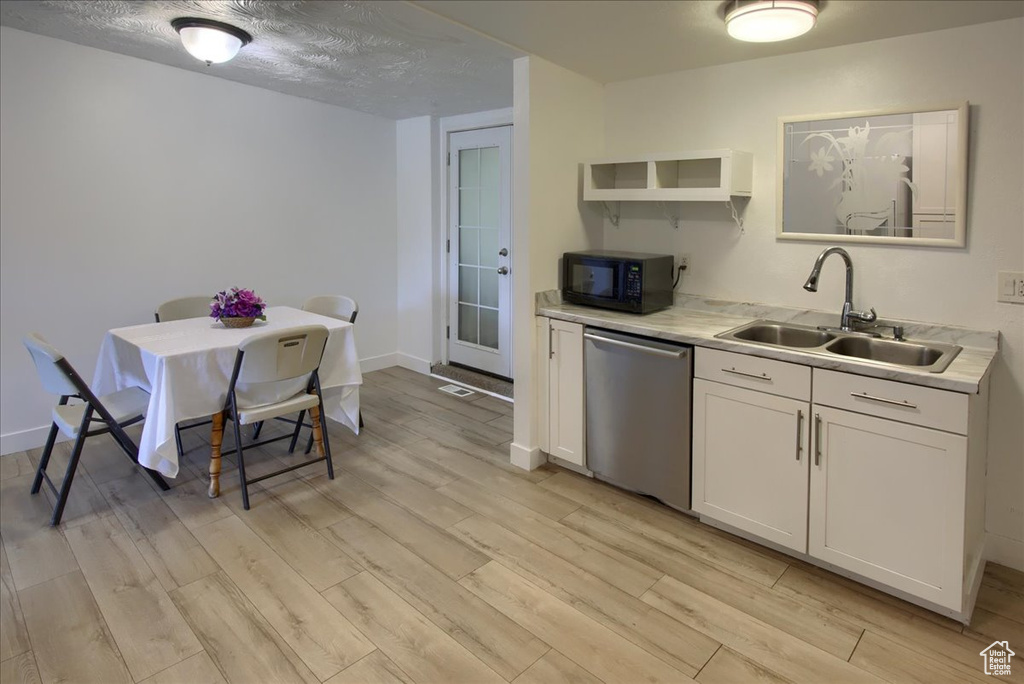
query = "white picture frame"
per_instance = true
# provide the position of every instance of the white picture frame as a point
(886, 176)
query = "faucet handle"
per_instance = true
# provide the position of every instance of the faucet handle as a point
(869, 317)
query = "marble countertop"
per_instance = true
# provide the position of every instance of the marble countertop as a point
(696, 321)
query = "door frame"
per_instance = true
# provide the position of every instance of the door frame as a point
(446, 126)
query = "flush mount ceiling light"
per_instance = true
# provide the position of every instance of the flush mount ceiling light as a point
(210, 41)
(767, 21)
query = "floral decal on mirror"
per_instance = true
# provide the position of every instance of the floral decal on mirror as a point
(896, 176)
(867, 179)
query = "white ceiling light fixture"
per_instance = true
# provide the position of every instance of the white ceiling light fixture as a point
(211, 41)
(767, 21)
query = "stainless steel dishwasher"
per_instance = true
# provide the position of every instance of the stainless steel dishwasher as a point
(639, 392)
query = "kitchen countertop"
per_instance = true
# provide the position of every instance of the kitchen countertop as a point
(695, 320)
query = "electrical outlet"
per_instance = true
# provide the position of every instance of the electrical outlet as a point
(1011, 287)
(684, 261)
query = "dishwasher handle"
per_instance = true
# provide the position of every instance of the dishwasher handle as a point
(681, 354)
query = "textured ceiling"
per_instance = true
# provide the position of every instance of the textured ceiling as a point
(441, 57)
(386, 58)
(617, 40)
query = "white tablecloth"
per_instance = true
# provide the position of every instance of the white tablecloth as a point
(186, 367)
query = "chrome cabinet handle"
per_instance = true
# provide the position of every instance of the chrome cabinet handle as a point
(817, 439)
(502, 252)
(799, 422)
(503, 270)
(551, 343)
(762, 376)
(864, 395)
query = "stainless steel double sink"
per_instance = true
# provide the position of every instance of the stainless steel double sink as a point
(934, 357)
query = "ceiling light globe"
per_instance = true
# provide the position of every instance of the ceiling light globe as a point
(210, 41)
(210, 44)
(768, 21)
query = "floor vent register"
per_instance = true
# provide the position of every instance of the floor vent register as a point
(456, 390)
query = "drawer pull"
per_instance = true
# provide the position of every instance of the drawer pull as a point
(799, 440)
(864, 395)
(817, 439)
(762, 376)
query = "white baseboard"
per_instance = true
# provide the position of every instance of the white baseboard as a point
(14, 442)
(413, 363)
(527, 459)
(1005, 551)
(378, 362)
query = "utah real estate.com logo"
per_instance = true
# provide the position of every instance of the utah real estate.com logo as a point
(997, 658)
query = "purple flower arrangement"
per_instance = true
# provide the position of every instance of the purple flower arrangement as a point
(237, 303)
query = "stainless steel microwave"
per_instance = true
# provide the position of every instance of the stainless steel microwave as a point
(624, 281)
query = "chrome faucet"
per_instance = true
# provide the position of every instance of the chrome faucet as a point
(848, 314)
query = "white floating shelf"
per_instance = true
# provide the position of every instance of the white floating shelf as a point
(703, 176)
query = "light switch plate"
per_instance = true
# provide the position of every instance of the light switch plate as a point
(1011, 287)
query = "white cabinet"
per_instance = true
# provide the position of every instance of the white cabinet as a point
(702, 176)
(897, 485)
(883, 480)
(561, 398)
(887, 502)
(750, 461)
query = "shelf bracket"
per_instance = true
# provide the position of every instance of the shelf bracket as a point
(737, 214)
(614, 218)
(673, 219)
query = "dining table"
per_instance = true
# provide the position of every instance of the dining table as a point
(186, 367)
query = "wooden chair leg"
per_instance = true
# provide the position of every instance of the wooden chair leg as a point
(216, 439)
(318, 436)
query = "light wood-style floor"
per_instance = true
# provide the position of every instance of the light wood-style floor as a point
(430, 559)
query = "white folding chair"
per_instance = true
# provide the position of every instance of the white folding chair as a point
(183, 307)
(336, 306)
(176, 310)
(264, 365)
(110, 413)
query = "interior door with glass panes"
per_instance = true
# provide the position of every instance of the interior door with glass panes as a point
(479, 249)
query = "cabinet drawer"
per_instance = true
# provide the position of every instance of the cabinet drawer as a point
(752, 372)
(912, 404)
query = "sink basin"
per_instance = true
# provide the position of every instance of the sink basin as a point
(783, 335)
(933, 356)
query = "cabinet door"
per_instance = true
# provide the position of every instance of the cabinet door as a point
(750, 456)
(565, 392)
(887, 502)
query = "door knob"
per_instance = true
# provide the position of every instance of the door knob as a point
(503, 270)
(503, 252)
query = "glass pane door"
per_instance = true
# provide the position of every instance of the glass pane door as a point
(480, 228)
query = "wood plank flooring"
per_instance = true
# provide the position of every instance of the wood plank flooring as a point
(430, 560)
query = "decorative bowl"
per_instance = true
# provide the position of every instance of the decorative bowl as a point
(237, 321)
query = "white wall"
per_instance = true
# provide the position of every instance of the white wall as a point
(737, 106)
(417, 150)
(124, 183)
(558, 119)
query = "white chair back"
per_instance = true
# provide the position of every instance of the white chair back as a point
(282, 354)
(183, 307)
(336, 306)
(45, 357)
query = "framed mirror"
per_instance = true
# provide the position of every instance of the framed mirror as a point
(892, 177)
